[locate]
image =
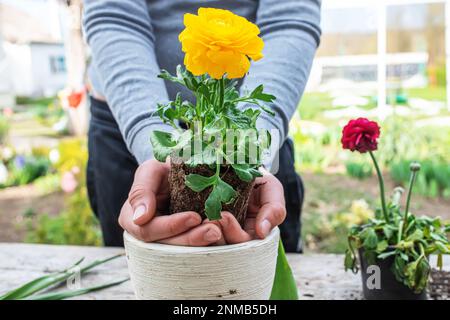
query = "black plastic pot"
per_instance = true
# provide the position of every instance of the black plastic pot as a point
(390, 288)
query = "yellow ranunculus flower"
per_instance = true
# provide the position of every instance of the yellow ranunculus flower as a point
(217, 41)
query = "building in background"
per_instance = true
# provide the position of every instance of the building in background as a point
(33, 58)
(375, 45)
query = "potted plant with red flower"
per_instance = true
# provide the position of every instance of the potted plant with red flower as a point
(394, 247)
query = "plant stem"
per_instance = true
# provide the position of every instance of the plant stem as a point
(408, 198)
(221, 92)
(381, 183)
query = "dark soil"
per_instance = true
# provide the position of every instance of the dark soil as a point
(182, 198)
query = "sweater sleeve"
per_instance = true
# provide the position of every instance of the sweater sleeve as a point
(120, 35)
(291, 33)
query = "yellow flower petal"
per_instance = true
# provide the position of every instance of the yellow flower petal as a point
(218, 42)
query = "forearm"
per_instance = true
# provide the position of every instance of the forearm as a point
(120, 35)
(291, 33)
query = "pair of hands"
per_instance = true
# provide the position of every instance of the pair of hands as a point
(149, 196)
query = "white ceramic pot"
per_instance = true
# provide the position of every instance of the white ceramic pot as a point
(239, 271)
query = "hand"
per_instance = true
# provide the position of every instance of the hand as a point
(266, 210)
(141, 214)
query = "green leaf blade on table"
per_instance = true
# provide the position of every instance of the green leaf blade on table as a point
(32, 287)
(39, 284)
(53, 279)
(99, 262)
(74, 293)
(284, 285)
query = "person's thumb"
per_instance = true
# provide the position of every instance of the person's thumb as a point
(143, 204)
(142, 199)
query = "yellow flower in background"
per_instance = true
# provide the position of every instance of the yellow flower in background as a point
(217, 41)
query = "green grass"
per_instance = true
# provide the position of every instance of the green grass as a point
(429, 93)
(31, 128)
(313, 104)
(45, 101)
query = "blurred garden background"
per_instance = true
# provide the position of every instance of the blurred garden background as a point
(385, 60)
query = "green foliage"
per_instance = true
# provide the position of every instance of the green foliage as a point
(77, 224)
(47, 184)
(316, 151)
(359, 170)
(45, 110)
(284, 285)
(77, 292)
(433, 180)
(26, 169)
(441, 76)
(4, 129)
(163, 144)
(407, 238)
(29, 289)
(217, 130)
(328, 233)
(22, 100)
(47, 115)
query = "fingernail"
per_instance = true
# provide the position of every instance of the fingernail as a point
(265, 227)
(224, 220)
(191, 222)
(212, 235)
(139, 212)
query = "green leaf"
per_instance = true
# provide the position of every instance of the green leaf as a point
(74, 293)
(350, 261)
(167, 76)
(206, 156)
(39, 284)
(415, 236)
(227, 193)
(388, 231)
(199, 183)
(404, 256)
(440, 262)
(370, 238)
(258, 93)
(213, 205)
(44, 282)
(385, 255)
(438, 237)
(245, 172)
(416, 274)
(284, 285)
(163, 144)
(382, 246)
(442, 247)
(204, 91)
(222, 193)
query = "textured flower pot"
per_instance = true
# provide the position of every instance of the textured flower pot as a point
(390, 288)
(239, 271)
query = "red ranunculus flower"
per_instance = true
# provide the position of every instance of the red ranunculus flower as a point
(360, 135)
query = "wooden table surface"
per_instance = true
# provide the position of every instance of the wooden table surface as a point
(319, 276)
